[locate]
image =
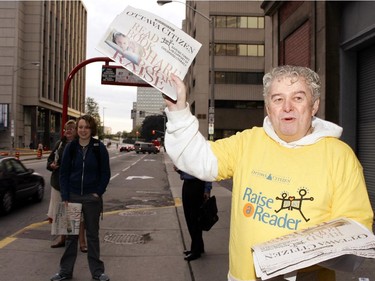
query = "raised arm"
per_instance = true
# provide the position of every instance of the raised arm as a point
(186, 146)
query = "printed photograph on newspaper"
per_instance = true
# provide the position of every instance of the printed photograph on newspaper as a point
(67, 220)
(150, 47)
(312, 246)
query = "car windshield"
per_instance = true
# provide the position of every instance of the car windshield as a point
(13, 166)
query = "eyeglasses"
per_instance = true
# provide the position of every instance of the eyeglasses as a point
(69, 129)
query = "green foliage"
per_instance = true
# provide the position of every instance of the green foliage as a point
(92, 108)
(150, 123)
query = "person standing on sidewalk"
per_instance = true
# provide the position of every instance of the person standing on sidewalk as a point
(194, 193)
(84, 176)
(53, 165)
(288, 175)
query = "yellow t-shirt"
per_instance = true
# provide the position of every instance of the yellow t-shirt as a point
(278, 190)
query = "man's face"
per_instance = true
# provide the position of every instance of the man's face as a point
(290, 108)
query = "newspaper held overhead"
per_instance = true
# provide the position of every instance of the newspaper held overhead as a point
(67, 220)
(312, 246)
(150, 47)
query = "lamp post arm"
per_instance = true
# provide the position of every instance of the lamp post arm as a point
(195, 10)
(162, 2)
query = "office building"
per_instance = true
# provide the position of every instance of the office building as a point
(238, 31)
(40, 43)
(149, 102)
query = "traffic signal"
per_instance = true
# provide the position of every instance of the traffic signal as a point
(153, 132)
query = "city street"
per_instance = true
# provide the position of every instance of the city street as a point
(137, 180)
(143, 232)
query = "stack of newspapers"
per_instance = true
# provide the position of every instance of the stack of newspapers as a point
(315, 245)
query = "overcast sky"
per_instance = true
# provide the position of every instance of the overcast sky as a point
(116, 102)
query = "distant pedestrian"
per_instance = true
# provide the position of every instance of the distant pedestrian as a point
(84, 176)
(194, 193)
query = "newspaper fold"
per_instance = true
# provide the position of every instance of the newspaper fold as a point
(150, 47)
(312, 246)
(67, 220)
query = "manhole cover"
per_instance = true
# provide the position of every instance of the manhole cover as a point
(127, 238)
(135, 206)
(137, 213)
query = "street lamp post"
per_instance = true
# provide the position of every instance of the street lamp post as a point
(13, 124)
(211, 109)
(103, 121)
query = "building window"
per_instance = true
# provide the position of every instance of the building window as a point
(239, 22)
(3, 115)
(41, 120)
(246, 50)
(244, 78)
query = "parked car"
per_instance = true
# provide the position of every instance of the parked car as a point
(18, 183)
(126, 148)
(145, 147)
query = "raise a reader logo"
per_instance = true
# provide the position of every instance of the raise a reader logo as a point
(261, 207)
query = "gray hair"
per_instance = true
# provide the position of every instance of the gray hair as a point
(294, 72)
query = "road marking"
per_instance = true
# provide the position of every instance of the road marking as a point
(114, 176)
(6, 241)
(139, 177)
(13, 238)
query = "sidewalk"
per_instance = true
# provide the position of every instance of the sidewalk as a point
(138, 245)
(142, 245)
(25, 153)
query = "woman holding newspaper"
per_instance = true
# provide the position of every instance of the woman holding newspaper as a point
(291, 174)
(53, 165)
(84, 176)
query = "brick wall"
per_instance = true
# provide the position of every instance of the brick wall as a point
(296, 48)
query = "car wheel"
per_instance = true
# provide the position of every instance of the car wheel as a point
(6, 203)
(39, 194)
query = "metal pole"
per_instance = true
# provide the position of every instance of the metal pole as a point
(13, 110)
(103, 122)
(13, 124)
(67, 84)
(211, 110)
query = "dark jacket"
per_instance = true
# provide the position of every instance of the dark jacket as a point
(186, 176)
(84, 174)
(59, 149)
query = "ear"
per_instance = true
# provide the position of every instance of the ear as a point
(315, 107)
(267, 109)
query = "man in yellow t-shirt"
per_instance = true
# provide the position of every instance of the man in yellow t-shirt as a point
(291, 174)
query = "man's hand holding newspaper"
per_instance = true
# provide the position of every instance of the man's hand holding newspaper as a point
(315, 245)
